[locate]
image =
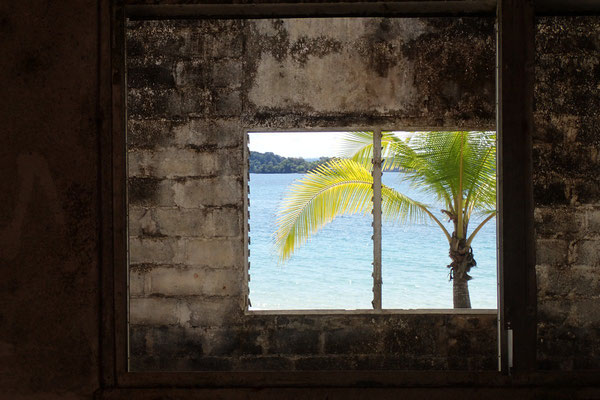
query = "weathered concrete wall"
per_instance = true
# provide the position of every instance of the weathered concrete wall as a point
(194, 88)
(567, 192)
(314, 342)
(399, 72)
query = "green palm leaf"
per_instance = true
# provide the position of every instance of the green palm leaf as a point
(358, 146)
(339, 187)
(448, 166)
(456, 168)
(480, 174)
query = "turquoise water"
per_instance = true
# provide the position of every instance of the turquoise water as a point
(333, 270)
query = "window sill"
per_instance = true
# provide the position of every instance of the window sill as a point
(417, 311)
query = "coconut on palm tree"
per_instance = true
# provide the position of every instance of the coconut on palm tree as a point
(457, 169)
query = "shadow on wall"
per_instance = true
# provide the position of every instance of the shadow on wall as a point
(32, 170)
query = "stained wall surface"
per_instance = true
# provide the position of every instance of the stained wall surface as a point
(49, 315)
(567, 192)
(194, 88)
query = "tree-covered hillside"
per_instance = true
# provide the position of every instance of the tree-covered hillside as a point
(270, 163)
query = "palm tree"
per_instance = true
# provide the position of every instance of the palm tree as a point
(458, 169)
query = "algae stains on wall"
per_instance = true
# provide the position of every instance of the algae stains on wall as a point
(412, 72)
(566, 183)
(338, 67)
(454, 64)
(195, 87)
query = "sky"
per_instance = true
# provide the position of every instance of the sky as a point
(298, 144)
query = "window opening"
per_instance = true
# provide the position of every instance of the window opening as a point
(417, 267)
(332, 269)
(334, 265)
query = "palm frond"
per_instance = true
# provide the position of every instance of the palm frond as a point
(481, 224)
(358, 146)
(437, 159)
(456, 168)
(339, 187)
(480, 172)
(428, 160)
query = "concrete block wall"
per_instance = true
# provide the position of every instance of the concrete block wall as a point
(167, 341)
(566, 148)
(185, 163)
(194, 88)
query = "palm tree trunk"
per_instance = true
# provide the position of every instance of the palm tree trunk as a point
(462, 261)
(460, 293)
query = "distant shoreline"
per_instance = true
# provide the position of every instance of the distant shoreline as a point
(271, 163)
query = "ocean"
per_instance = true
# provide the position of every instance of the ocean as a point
(333, 270)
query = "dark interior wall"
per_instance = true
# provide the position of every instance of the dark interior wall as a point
(49, 214)
(566, 179)
(49, 254)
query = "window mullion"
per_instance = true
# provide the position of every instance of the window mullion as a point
(376, 173)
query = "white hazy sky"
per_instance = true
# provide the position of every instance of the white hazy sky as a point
(299, 144)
